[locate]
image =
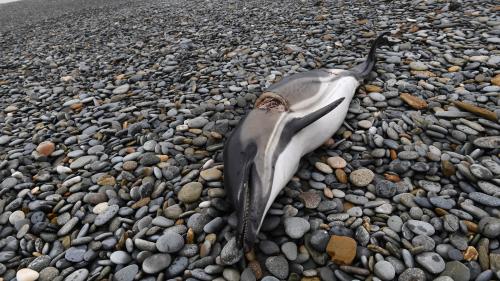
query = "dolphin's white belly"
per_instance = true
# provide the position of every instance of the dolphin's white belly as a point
(314, 135)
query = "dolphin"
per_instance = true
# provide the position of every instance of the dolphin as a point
(290, 119)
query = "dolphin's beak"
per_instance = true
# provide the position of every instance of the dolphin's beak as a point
(250, 209)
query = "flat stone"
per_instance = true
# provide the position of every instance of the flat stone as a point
(490, 227)
(107, 215)
(156, 263)
(190, 192)
(430, 186)
(177, 267)
(413, 102)
(78, 275)
(485, 199)
(75, 254)
(127, 273)
(211, 174)
(336, 162)
(419, 66)
(296, 227)
(384, 270)
(122, 89)
(289, 249)
(457, 271)
(490, 115)
(421, 227)
(82, 161)
(170, 242)
(311, 199)
(48, 274)
(323, 167)
(120, 257)
(481, 172)
(487, 142)
(431, 261)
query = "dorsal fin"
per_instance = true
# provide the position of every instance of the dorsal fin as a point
(362, 70)
(300, 123)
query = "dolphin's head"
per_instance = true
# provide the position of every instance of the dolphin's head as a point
(248, 174)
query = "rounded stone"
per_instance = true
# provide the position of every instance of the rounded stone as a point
(120, 257)
(431, 261)
(384, 270)
(289, 249)
(277, 266)
(323, 167)
(211, 174)
(156, 263)
(336, 162)
(16, 216)
(121, 89)
(412, 274)
(48, 274)
(78, 275)
(26, 274)
(385, 189)
(457, 271)
(296, 227)
(127, 273)
(170, 242)
(231, 253)
(46, 148)
(190, 192)
(361, 177)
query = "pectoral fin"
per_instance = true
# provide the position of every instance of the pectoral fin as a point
(300, 123)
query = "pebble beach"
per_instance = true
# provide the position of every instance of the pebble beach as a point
(113, 117)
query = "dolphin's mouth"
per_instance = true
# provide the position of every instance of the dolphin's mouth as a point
(246, 211)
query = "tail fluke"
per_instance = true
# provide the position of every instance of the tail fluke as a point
(363, 69)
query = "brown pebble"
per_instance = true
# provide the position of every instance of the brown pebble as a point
(448, 168)
(106, 180)
(471, 226)
(250, 256)
(342, 249)
(440, 212)
(483, 112)
(496, 80)
(143, 202)
(190, 236)
(471, 254)
(372, 88)
(413, 102)
(392, 177)
(341, 175)
(328, 193)
(256, 268)
(394, 154)
(46, 148)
